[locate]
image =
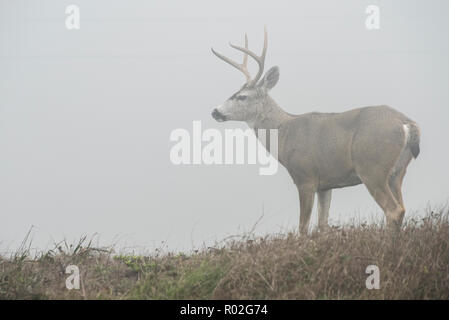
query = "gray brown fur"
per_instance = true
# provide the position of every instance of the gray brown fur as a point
(323, 151)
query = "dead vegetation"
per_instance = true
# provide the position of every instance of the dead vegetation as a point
(325, 265)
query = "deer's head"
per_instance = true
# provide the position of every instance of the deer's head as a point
(246, 103)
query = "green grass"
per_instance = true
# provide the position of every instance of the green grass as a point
(325, 265)
(192, 281)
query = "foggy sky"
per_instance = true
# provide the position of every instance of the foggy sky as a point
(85, 115)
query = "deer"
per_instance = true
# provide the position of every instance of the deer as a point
(371, 145)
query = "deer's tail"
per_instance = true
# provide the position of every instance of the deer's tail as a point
(413, 137)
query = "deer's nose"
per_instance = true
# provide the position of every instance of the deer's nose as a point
(217, 115)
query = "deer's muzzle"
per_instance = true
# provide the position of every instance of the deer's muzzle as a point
(218, 116)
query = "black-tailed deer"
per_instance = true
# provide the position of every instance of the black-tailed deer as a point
(323, 151)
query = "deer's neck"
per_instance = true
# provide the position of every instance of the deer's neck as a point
(271, 116)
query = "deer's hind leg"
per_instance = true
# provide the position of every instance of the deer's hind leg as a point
(374, 163)
(382, 194)
(398, 173)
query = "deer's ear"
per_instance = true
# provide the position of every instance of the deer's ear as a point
(270, 78)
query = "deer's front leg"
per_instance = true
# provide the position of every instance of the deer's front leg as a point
(324, 202)
(306, 198)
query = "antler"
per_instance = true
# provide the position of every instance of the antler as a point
(243, 67)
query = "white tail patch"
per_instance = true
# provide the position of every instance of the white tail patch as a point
(405, 156)
(406, 128)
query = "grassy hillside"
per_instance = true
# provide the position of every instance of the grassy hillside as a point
(327, 265)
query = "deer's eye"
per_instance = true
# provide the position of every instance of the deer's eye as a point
(241, 98)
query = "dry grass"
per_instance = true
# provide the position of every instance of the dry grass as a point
(327, 265)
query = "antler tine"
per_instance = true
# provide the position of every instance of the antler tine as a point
(242, 67)
(260, 60)
(245, 57)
